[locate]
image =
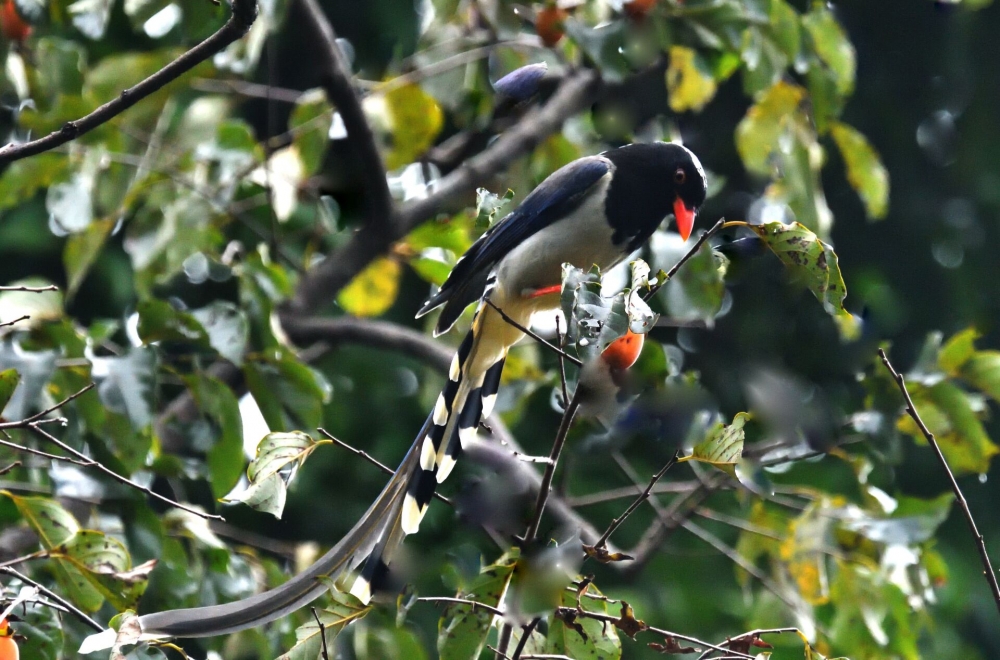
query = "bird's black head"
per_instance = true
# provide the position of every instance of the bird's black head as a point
(651, 181)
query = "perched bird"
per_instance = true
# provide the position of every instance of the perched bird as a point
(8, 647)
(595, 210)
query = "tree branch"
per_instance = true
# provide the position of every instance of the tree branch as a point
(339, 87)
(244, 14)
(988, 572)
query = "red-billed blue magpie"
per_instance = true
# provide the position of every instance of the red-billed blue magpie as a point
(594, 211)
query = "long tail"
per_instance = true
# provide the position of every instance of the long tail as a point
(473, 381)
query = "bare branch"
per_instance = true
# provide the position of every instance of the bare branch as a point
(550, 468)
(37, 416)
(988, 572)
(53, 596)
(30, 289)
(244, 14)
(339, 88)
(683, 260)
(643, 496)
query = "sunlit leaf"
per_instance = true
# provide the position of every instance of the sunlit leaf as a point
(832, 46)
(803, 552)
(416, 119)
(950, 416)
(9, 379)
(982, 371)
(865, 170)
(758, 134)
(723, 447)
(373, 290)
(689, 82)
(814, 264)
(91, 16)
(462, 629)
(957, 351)
(913, 521)
(343, 609)
(489, 205)
(227, 329)
(35, 369)
(276, 453)
(127, 383)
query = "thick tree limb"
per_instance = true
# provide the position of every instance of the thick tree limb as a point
(244, 14)
(323, 282)
(339, 87)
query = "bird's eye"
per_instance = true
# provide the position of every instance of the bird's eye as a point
(680, 176)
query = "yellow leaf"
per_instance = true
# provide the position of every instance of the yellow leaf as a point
(415, 120)
(374, 290)
(757, 134)
(865, 170)
(689, 83)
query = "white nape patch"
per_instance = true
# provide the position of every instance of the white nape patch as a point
(362, 590)
(445, 466)
(467, 436)
(427, 455)
(411, 515)
(440, 411)
(456, 369)
(488, 403)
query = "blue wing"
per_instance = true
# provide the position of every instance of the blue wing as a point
(553, 199)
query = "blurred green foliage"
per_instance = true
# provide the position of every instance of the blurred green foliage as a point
(176, 232)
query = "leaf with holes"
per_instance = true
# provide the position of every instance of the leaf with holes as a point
(813, 263)
(343, 609)
(106, 565)
(723, 447)
(462, 629)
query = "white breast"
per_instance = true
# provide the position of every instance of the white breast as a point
(583, 239)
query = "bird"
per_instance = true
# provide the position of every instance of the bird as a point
(596, 210)
(8, 646)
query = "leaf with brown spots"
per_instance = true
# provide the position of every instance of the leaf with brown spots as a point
(627, 622)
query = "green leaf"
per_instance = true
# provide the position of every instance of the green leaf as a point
(462, 629)
(9, 379)
(82, 249)
(832, 46)
(814, 264)
(785, 28)
(764, 62)
(53, 524)
(275, 453)
(757, 135)
(127, 384)
(950, 415)
(106, 565)
(43, 634)
(723, 448)
(415, 119)
(982, 371)
(690, 84)
(697, 290)
(283, 383)
(913, 521)
(373, 290)
(957, 351)
(343, 609)
(310, 127)
(584, 639)
(159, 321)
(227, 328)
(865, 170)
(225, 458)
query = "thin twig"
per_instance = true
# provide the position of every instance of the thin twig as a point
(243, 16)
(6, 324)
(29, 289)
(374, 461)
(89, 462)
(690, 253)
(20, 560)
(54, 596)
(609, 618)
(462, 601)
(552, 347)
(643, 496)
(749, 634)
(37, 416)
(988, 572)
(322, 634)
(526, 632)
(562, 363)
(550, 468)
(628, 492)
(8, 468)
(43, 454)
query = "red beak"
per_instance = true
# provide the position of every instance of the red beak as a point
(685, 218)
